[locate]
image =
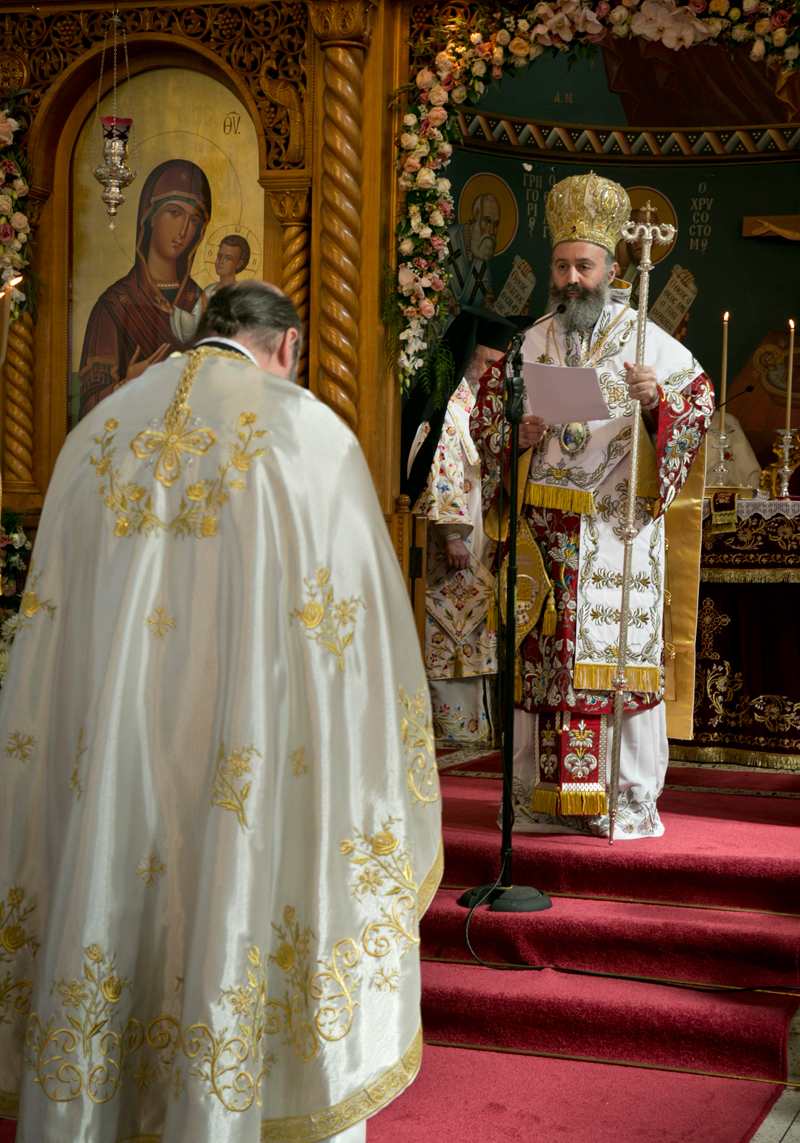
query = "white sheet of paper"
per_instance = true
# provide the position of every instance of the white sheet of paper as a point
(559, 394)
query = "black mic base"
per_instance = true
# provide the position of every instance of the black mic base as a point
(513, 899)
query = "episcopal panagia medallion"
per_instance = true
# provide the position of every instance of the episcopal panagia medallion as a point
(574, 437)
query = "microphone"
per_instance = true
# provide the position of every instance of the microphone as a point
(518, 338)
(741, 393)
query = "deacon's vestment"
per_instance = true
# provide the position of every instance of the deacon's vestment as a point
(220, 819)
(573, 490)
(460, 647)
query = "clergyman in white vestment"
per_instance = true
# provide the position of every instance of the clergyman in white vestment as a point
(219, 808)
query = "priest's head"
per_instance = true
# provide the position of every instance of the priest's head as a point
(581, 277)
(262, 319)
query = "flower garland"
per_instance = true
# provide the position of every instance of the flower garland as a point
(14, 545)
(15, 230)
(461, 56)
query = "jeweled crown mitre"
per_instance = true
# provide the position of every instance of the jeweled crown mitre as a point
(587, 208)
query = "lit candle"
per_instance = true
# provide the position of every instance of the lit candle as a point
(789, 376)
(7, 292)
(724, 384)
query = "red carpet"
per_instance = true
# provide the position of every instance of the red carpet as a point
(728, 851)
(492, 1097)
(626, 938)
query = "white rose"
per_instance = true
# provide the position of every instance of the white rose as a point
(620, 29)
(6, 205)
(437, 218)
(426, 179)
(426, 232)
(749, 5)
(498, 55)
(713, 26)
(791, 53)
(20, 186)
(438, 95)
(406, 246)
(741, 32)
(757, 50)
(503, 37)
(779, 37)
(536, 50)
(459, 93)
(479, 68)
(422, 149)
(618, 15)
(523, 26)
(442, 186)
(17, 261)
(476, 38)
(409, 120)
(408, 142)
(444, 63)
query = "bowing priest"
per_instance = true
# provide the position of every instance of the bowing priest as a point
(219, 821)
(443, 481)
(573, 489)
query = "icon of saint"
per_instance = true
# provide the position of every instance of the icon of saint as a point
(148, 313)
(233, 256)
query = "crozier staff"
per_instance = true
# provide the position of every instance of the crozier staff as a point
(574, 503)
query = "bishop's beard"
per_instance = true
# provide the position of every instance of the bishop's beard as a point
(583, 311)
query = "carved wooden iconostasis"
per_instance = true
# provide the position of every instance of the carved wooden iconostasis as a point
(261, 106)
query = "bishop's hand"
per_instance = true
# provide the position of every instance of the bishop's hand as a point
(531, 430)
(642, 384)
(456, 553)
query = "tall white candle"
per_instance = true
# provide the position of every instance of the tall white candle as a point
(723, 393)
(789, 376)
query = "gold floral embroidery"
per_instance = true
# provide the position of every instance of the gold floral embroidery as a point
(291, 1015)
(168, 445)
(228, 771)
(150, 869)
(325, 620)
(177, 1083)
(334, 986)
(14, 937)
(20, 745)
(299, 763)
(417, 731)
(75, 782)
(160, 622)
(222, 1059)
(30, 603)
(132, 504)
(386, 980)
(384, 870)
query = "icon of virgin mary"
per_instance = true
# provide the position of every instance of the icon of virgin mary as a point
(148, 314)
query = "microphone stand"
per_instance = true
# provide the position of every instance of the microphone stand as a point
(503, 895)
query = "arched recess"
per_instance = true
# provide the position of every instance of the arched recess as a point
(54, 133)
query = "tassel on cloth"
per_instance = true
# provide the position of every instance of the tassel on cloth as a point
(458, 665)
(517, 680)
(550, 614)
(567, 499)
(544, 801)
(600, 677)
(583, 802)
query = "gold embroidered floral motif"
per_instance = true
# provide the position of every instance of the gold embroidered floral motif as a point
(160, 622)
(325, 620)
(299, 763)
(14, 992)
(334, 987)
(30, 603)
(230, 770)
(291, 1014)
(150, 869)
(20, 746)
(75, 782)
(168, 445)
(177, 1083)
(383, 869)
(386, 980)
(132, 504)
(709, 622)
(417, 730)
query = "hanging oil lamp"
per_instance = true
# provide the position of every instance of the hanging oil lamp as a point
(113, 173)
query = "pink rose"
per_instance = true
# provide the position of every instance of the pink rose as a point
(7, 233)
(602, 9)
(19, 221)
(420, 263)
(6, 134)
(697, 6)
(423, 98)
(780, 18)
(437, 242)
(425, 79)
(497, 72)
(437, 284)
(437, 116)
(412, 163)
(756, 53)
(426, 308)
(448, 81)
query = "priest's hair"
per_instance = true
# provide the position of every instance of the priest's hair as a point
(255, 308)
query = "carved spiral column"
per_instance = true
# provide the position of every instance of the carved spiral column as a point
(19, 402)
(343, 28)
(292, 210)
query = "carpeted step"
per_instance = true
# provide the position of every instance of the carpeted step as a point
(465, 1096)
(622, 938)
(601, 1019)
(726, 850)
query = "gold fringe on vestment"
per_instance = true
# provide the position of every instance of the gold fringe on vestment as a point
(587, 803)
(754, 575)
(458, 664)
(567, 499)
(600, 677)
